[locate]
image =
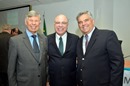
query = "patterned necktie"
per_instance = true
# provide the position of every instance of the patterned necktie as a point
(61, 45)
(36, 48)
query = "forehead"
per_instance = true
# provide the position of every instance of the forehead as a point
(84, 16)
(34, 17)
(61, 18)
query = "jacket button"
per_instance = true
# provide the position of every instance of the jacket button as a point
(83, 59)
(38, 75)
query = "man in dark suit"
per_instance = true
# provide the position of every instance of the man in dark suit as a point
(27, 67)
(4, 46)
(62, 65)
(100, 58)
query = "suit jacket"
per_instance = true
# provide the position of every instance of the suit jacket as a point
(103, 63)
(4, 46)
(24, 69)
(62, 69)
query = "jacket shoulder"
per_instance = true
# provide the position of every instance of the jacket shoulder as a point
(73, 35)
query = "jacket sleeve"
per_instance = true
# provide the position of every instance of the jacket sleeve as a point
(12, 56)
(116, 60)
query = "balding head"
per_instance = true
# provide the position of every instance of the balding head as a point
(61, 24)
(61, 16)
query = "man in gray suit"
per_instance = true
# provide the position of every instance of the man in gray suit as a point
(26, 66)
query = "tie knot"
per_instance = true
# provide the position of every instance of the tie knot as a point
(86, 36)
(34, 36)
(60, 38)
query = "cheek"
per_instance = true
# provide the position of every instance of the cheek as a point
(28, 24)
(80, 25)
(65, 30)
(56, 30)
(56, 26)
(38, 24)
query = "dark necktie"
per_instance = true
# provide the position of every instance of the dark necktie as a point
(61, 45)
(35, 47)
(86, 36)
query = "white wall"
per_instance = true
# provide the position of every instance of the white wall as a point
(103, 11)
(121, 23)
(108, 14)
(70, 8)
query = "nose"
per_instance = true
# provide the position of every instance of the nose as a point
(33, 22)
(83, 23)
(61, 24)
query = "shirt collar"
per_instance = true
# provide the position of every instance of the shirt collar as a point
(29, 33)
(65, 35)
(89, 35)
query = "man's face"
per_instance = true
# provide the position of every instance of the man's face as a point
(33, 23)
(61, 24)
(85, 23)
(15, 32)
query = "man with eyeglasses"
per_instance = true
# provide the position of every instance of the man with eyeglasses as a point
(62, 54)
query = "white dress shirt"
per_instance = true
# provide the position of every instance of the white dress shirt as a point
(84, 40)
(64, 39)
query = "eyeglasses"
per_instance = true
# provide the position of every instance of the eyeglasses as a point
(64, 23)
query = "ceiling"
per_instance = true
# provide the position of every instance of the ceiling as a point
(6, 4)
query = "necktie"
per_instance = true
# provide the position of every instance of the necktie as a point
(35, 47)
(86, 36)
(61, 45)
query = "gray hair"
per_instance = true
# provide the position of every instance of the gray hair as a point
(32, 13)
(84, 12)
(6, 27)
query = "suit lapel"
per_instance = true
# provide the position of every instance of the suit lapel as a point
(41, 46)
(28, 45)
(53, 43)
(81, 44)
(92, 40)
(42, 43)
(68, 43)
